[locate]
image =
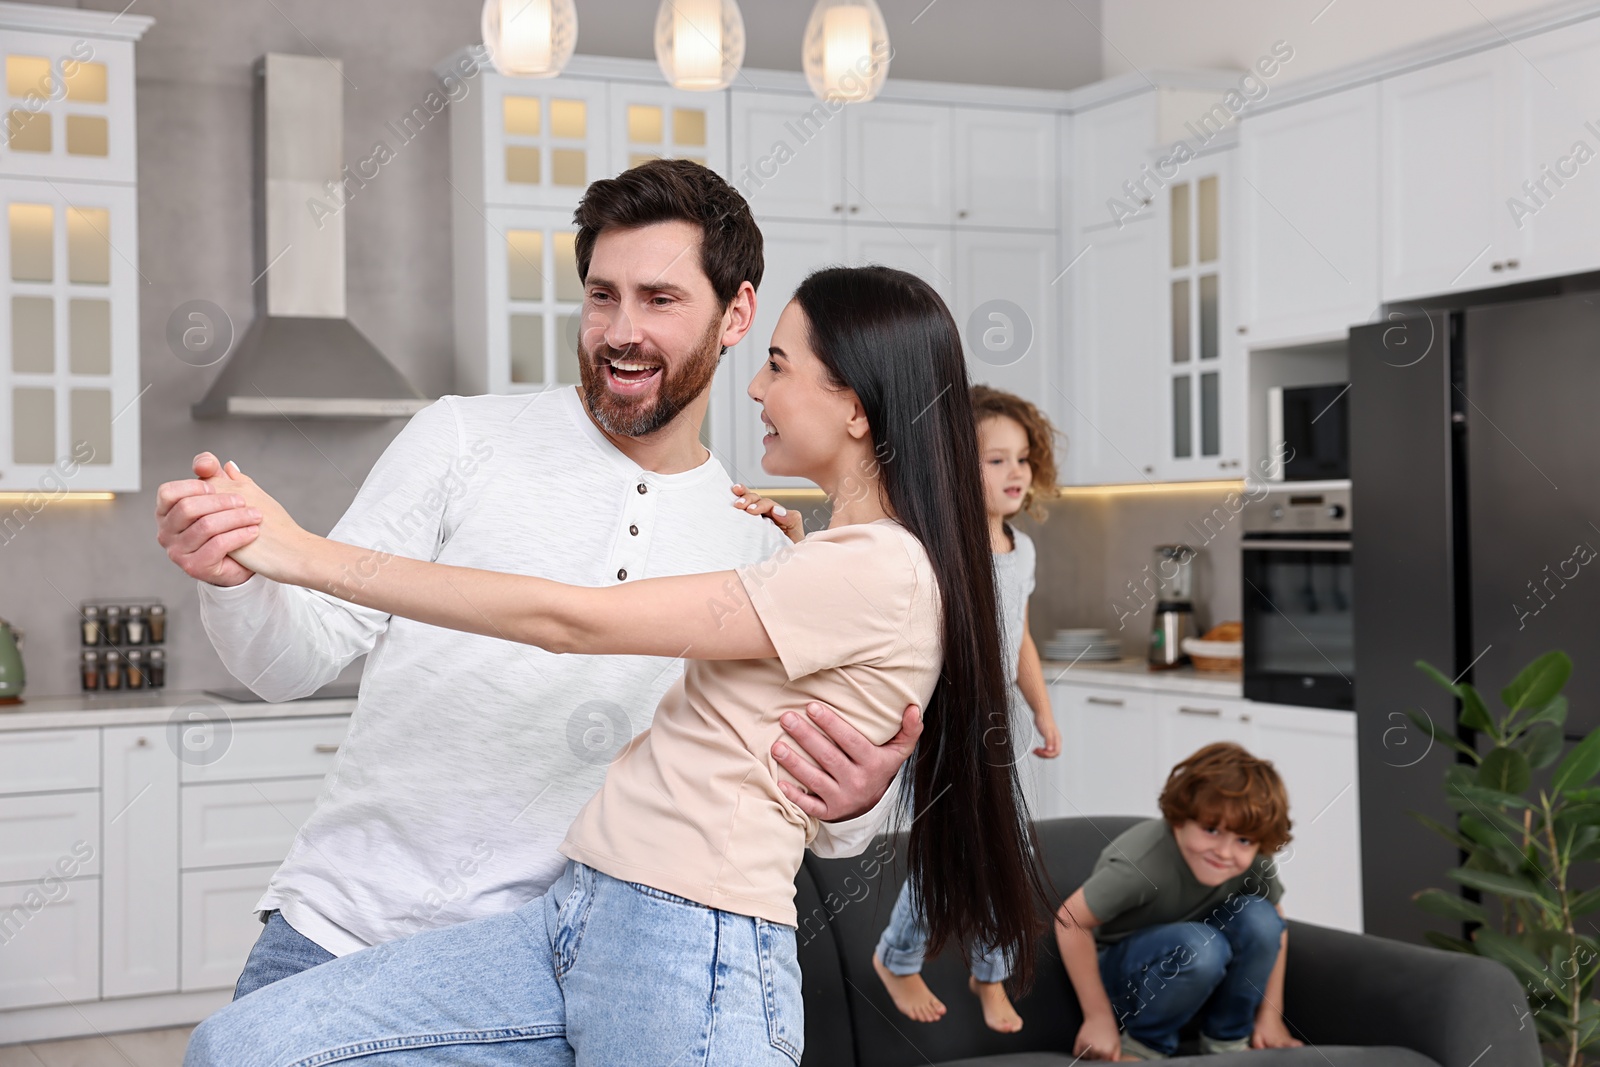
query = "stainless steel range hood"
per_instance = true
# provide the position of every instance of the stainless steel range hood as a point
(301, 357)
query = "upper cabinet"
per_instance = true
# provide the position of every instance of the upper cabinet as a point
(1308, 218)
(69, 237)
(898, 163)
(1005, 168)
(788, 156)
(1485, 166)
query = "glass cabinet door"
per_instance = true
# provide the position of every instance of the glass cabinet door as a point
(69, 381)
(653, 122)
(1194, 282)
(68, 107)
(544, 141)
(532, 272)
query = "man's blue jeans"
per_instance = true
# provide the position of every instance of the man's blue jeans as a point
(623, 972)
(905, 941)
(1214, 971)
(279, 952)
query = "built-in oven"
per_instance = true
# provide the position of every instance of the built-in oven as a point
(1299, 634)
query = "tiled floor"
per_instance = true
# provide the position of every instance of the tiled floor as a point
(144, 1048)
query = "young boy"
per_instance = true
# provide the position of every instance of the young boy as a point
(1180, 919)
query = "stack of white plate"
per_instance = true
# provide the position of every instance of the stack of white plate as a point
(1069, 646)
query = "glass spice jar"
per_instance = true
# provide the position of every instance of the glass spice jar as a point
(111, 670)
(111, 628)
(91, 670)
(155, 671)
(158, 624)
(133, 668)
(133, 627)
(91, 624)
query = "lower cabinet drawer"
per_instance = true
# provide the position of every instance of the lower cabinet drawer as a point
(49, 835)
(219, 925)
(37, 761)
(228, 824)
(212, 748)
(49, 942)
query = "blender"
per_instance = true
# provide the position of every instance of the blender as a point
(1174, 618)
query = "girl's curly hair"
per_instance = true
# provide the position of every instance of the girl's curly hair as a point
(988, 403)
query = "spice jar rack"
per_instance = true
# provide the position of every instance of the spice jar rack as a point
(123, 645)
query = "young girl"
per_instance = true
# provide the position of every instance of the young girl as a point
(1018, 463)
(669, 937)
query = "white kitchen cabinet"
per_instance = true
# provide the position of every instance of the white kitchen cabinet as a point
(1115, 405)
(1107, 764)
(69, 101)
(1446, 130)
(542, 142)
(50, 940)
(926, 251)
(1557, 220)
(232, 824)
(1110, 145)
(261, 748)
(788, 155)
(41, 828)
(219, 926)
(140, 873)
(793, 250)
(50, 761)
(898, 165)
(1187, 724)
(1005, 168)
(1006, 309)
(1308, 218)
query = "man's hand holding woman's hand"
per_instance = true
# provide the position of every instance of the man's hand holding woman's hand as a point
(199, 524)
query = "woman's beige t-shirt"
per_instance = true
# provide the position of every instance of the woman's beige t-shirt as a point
(692, 806)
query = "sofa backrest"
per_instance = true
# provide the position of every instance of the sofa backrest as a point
(844, 906)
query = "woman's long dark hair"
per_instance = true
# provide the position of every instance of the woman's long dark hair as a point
(889, 337)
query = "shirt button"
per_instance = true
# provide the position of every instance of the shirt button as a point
(622, 575)
(643, 489)
(634, 530)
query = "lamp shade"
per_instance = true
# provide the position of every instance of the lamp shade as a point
(530, 38)
(845, 52)
(699, 43)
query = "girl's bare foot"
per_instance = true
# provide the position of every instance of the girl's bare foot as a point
(911, 994)
(998, 1014)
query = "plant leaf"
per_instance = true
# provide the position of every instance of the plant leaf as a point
(1433, 672)
(1478, 794)
(1539, 682)
(1475, 713)
(1511, 952)
(1585, 902)
(1541, 744)
(1579, 766)
(1456, 837)
(1448, 943)
(1501, 885)
(1449, 906)
(1553, 712)
(1504, 769)
(1444, 737)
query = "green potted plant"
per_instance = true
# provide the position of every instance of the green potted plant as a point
(1524, 842)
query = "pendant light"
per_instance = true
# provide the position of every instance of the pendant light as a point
(530, 38)
(699, 43)
(845, 51)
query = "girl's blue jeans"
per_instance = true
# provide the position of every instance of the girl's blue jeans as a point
(1215, 971)
(905, 941)
(596, 971)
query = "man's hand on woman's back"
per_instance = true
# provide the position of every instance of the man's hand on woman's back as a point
(199, 526)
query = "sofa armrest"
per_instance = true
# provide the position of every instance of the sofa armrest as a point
(1353, 989)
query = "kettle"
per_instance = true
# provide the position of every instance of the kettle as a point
(12, 677)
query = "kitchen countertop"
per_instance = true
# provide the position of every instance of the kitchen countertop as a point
(137, 709)
(1136, 674)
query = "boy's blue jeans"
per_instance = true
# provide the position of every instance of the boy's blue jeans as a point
(1214, 971)
(595, 971)
(905, 942)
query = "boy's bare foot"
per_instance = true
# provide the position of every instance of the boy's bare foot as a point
(998, 1014)
(911, 994)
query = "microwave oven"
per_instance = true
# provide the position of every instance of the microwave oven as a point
(1310, 426)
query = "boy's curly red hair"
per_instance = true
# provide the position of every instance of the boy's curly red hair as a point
(1224, 785)
(988, 403)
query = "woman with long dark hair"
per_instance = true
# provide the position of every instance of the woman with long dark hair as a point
(670, 935)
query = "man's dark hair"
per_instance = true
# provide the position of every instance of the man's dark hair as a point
(673, 190)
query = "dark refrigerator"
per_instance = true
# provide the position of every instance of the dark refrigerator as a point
(1475, 476)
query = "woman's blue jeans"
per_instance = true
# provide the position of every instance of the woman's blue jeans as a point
(1214, 971)
(904, 943)
(596, 971)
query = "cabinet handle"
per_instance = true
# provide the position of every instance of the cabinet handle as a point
(1149, 470)
(1244, 329)
(324, 748)
(1210, 713)
(1513, 264)
(854, 208)
(143, 742)
(838, 207)
(1497, 266)
(1245, 717)
(962, 214)
(1110, 702)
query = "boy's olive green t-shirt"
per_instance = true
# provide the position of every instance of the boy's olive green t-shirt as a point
(1142, 879)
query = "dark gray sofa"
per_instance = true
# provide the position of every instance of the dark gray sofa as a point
(1352, 999)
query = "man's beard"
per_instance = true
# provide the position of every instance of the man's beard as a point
(641, 416)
